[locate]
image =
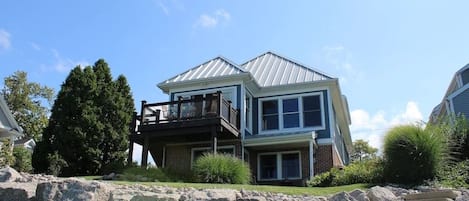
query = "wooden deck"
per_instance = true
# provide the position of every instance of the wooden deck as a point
(185, 120)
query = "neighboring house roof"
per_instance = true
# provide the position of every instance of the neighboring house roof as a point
(458, 84)
(270, 69)
(217, 67)
(27, 143)
(8, 126)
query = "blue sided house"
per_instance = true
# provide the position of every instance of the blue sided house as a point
(288, 121)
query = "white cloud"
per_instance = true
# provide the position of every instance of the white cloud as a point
(372, 128)
(340, 58)
(163, 7)
(63, 65)
(212, 20)
(5, 42)
(35, 46)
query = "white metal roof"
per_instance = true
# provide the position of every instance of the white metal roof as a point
(8, 125)
(270, 69)
(216, 67)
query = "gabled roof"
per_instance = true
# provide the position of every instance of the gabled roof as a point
(270, 69)
(8, 125)
(216, 67)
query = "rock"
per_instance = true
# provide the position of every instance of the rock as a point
(359, 195)
(13, 194)
(9, 174)
(379, 193)
(432, 195)
(221, 194)
(463, 196)
(110, 176)
(72, 189)
(156, 197)
(342, 196)
(18, 190)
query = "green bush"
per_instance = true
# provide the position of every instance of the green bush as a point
(412, 155)
(221, 168)
(367, 171)
(455, 175)
(22, 159)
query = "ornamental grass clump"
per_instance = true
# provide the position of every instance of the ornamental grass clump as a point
(221, 168)
(412, 155)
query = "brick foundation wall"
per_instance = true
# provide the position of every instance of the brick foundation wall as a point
(324, 159)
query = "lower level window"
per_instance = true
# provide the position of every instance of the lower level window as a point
(198, 152)
(282, 165)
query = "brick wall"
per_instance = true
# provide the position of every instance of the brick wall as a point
(324, 159)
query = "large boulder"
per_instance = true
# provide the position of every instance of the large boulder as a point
(72, 189)
(17, 191)
(359, 195)
(342, 196)
(379, 193)
(9, 174)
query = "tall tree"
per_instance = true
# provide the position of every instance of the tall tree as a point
(85, 132)
(29, 103)
(362, 150)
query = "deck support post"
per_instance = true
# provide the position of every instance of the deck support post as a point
(131, 151)
(311, 159)
(214, 140)
(146, 143)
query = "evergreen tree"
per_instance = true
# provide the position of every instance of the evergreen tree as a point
(85, 126)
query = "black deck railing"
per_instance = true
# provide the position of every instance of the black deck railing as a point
(196, 108)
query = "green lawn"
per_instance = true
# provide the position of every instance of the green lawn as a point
(291, 190)
(265, 188)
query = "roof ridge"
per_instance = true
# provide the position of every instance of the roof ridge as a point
(290, 60)
(232, 64)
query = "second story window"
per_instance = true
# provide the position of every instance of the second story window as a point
(291, 112)
(270, 115)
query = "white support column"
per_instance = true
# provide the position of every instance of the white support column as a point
(311, 159)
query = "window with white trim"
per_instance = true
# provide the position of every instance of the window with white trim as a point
(279, 165)
(290, 112)
(198, 152)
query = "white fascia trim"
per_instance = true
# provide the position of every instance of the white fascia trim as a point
(324, 141)
(459, 91)
(198, 83)
(331, 117)
(280, 139)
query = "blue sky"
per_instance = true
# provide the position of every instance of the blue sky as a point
(394, 59)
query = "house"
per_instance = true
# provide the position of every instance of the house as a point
(287, 121)
(456, 99)
(8, 125)
(27, 143)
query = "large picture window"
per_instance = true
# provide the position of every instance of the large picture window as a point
(291, 112)
(280, 165)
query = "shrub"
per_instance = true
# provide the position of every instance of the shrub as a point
(368, 171)
(145, 174)
(456, 130)
(6, 154)
(455, 175)
(412, 155)
(56, 164)
(221, 168)
(22, 159)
